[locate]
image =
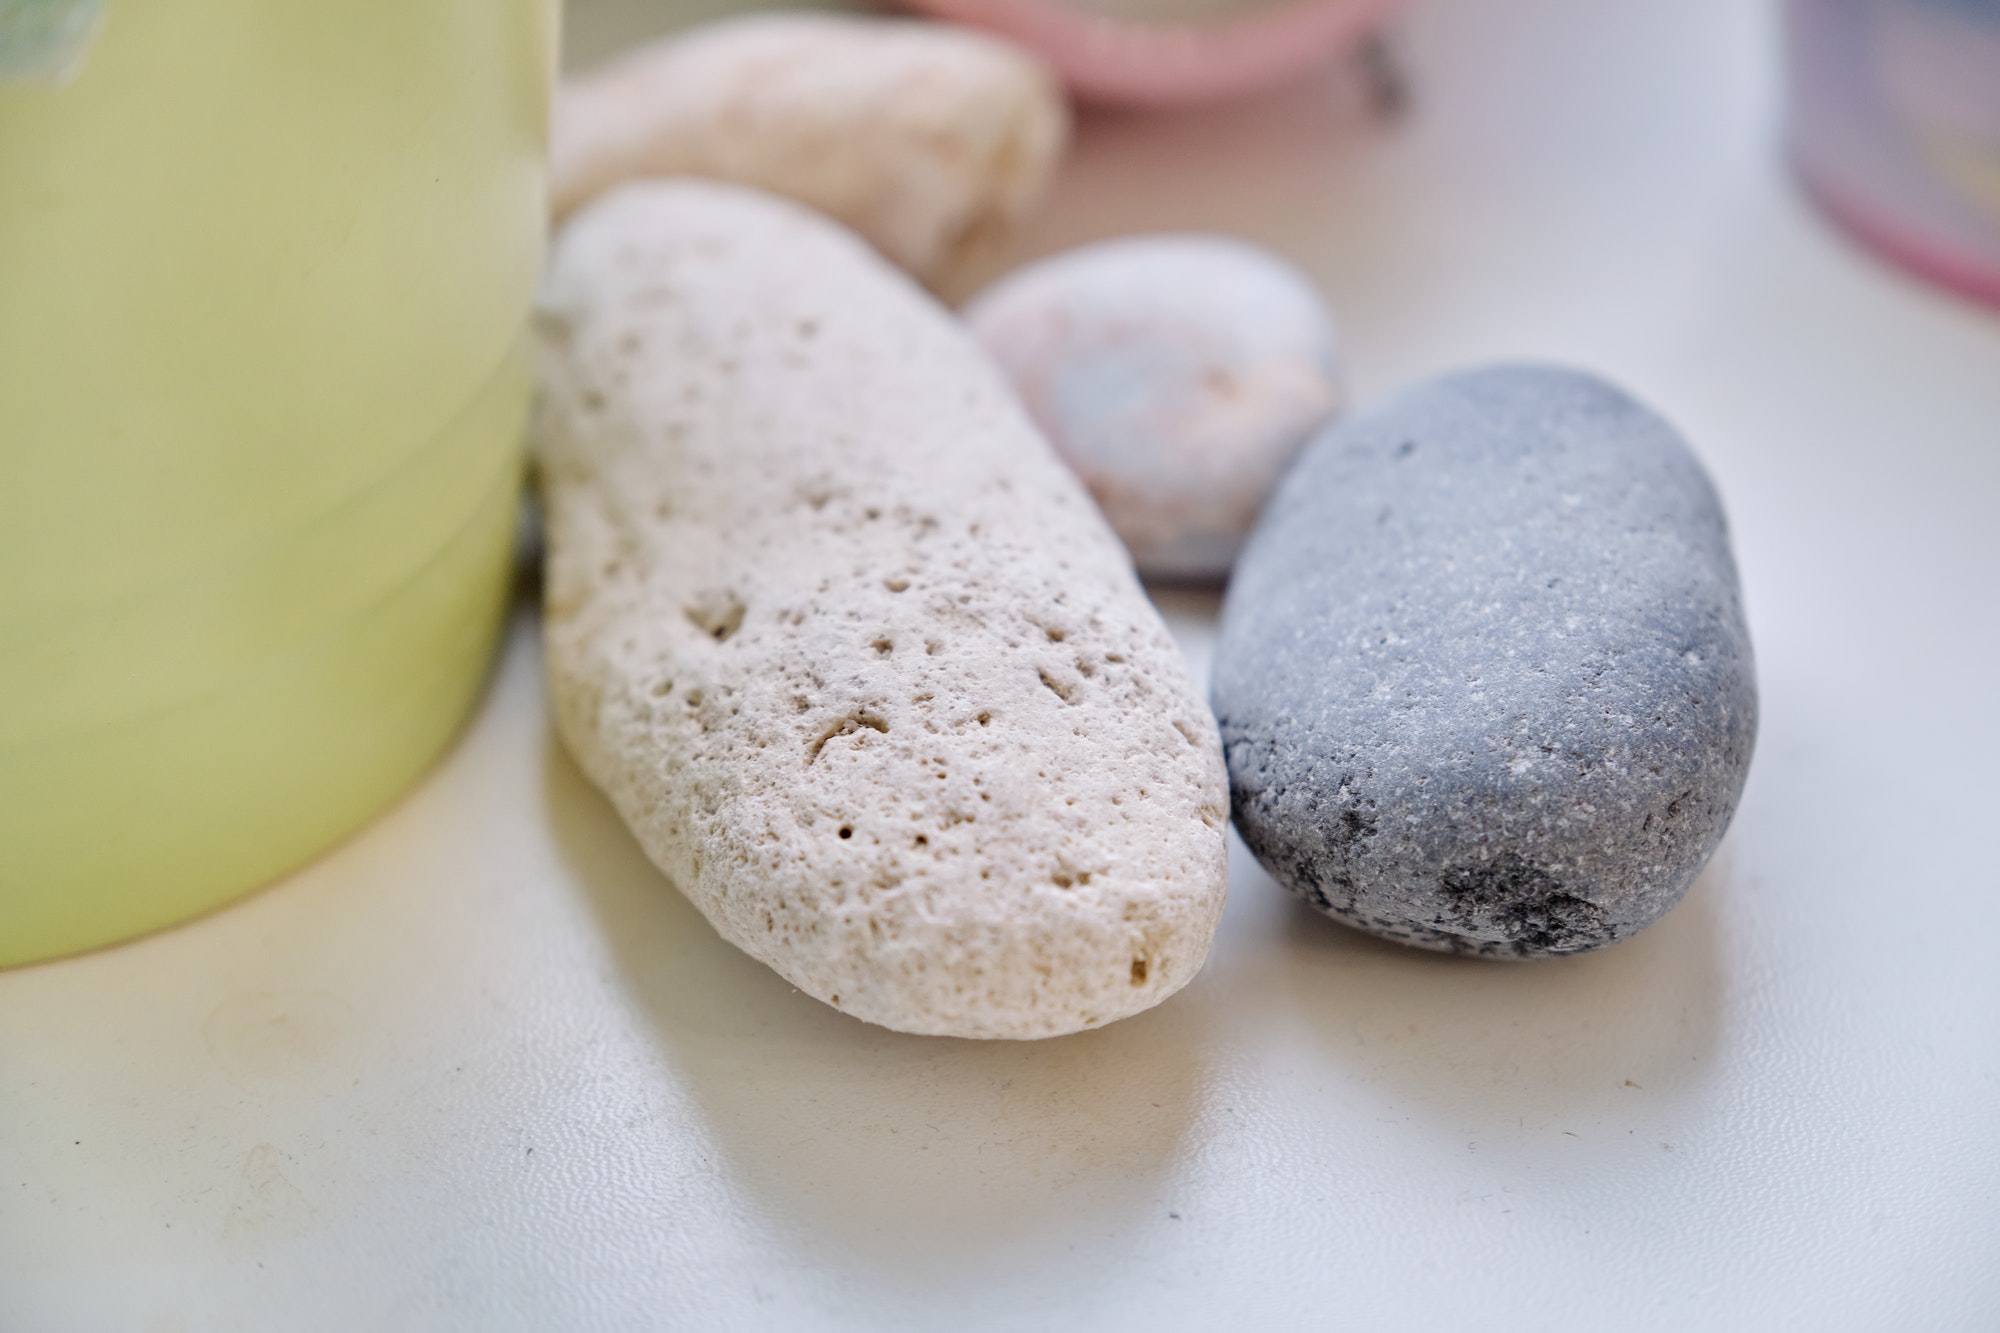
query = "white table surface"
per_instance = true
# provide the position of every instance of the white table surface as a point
(482, 1068)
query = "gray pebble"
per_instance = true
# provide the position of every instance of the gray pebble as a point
(1483, 675)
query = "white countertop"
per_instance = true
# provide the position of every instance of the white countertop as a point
(482, 1068)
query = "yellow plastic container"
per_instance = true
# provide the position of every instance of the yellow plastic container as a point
(264, 271)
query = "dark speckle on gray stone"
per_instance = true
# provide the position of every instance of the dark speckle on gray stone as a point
(1483, 676)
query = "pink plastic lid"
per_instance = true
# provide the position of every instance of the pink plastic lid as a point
(1134, 63)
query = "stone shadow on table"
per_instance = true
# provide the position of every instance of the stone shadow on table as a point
(926, 1154)
(1498, 1048)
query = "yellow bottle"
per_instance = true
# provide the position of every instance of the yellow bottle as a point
(264, 271)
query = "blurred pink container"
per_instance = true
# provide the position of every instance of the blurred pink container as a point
(1895, 129)
(1135, 62)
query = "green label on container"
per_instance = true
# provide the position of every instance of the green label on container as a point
(44, 41)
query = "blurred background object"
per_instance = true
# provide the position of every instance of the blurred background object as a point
(1895, 129)
(45, 40)
(266, 271)
(1122, 52)
(1175, 52)
(931, 140)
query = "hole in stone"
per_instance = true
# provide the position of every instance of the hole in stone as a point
(847, 726)
(896, 585)
(922, 841)
(1139, 970)
(985, 718)
(847, 830)
(1061, 881)
(716, 614)
(1055, 635)
(883, 646)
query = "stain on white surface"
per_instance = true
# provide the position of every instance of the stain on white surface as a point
(282, 1035)
(268, 1205)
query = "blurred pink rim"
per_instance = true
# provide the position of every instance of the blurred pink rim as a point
(1167, 64)
(1937, 260)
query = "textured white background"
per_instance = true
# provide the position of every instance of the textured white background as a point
(483, 1069)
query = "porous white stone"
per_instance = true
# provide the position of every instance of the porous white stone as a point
(928, 139)
(848, 647)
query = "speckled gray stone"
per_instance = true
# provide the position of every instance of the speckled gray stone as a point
(1483, 676)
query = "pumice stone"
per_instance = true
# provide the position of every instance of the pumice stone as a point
(1483, 677)
(847, 646)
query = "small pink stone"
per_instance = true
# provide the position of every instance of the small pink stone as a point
(1178, 375)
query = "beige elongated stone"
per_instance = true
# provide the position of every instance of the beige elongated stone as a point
(928, 139)
(847, 646)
